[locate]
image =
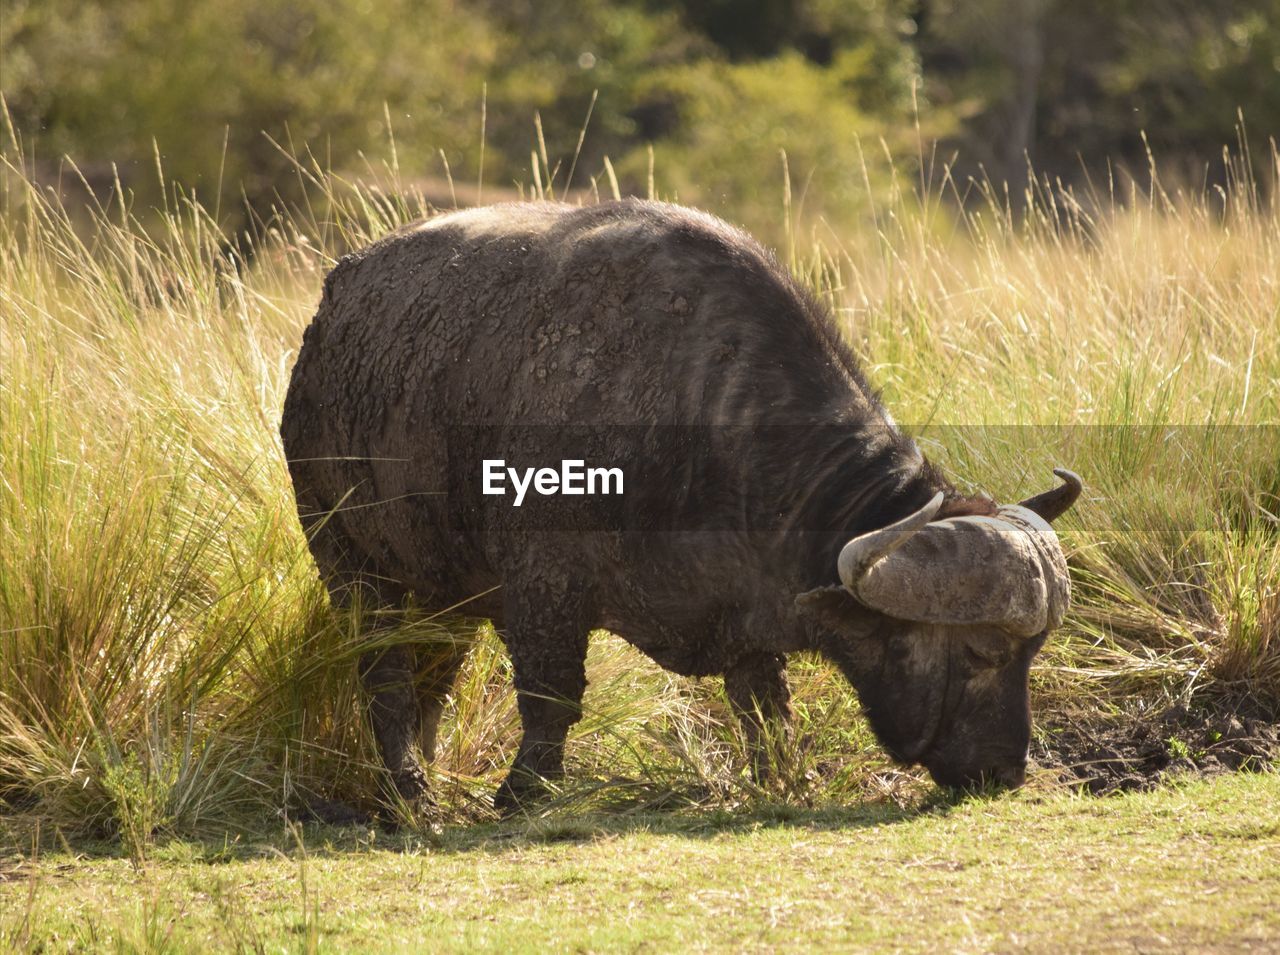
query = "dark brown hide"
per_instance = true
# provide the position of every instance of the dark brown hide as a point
(508, 327)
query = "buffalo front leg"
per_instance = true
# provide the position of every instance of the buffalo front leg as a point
(547, 641)
(761, 699)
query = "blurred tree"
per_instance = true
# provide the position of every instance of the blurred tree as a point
(736, 166)
(105, 78)
(715, 86)
(553, 56)
(1062, 82)
(1178, 70)
(744, 29)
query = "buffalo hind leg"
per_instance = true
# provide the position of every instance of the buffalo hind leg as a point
(757, 689)
(437, 670)
(407, 687)
(547, 641)
(386, 673)
(388, 676)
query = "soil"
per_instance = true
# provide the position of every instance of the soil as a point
(1129, 753)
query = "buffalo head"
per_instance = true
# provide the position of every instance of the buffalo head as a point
(936, 624)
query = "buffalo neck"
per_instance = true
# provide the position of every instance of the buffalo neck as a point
(864, 478)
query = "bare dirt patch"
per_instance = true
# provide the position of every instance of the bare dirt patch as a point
(1131, 752)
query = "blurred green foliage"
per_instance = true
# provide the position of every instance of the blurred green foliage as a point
(717, 88)
(104, 79)
(1100, 74)
(737, 165)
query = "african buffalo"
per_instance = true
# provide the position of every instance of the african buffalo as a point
(770, 506)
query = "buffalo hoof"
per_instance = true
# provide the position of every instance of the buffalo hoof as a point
(519, 793)
(411, 784)
(409, 801)
(408, 817)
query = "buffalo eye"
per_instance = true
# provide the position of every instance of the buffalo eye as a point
(985, 658)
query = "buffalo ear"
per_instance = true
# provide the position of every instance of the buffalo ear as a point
(836, 610)
(848, 633)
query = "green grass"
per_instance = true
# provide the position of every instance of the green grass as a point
(1194, 866)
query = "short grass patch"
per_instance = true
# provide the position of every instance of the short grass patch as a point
(1194, 865)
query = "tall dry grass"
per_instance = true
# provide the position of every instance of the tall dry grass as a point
(168, 660)
(1131, 333)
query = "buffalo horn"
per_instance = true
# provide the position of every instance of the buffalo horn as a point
(1005, 570)
(1053, 504)
(857, 556)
